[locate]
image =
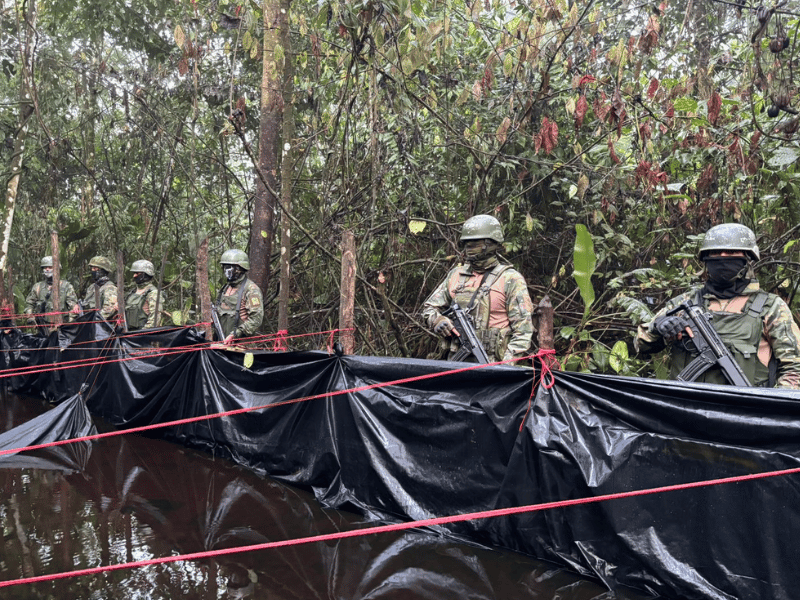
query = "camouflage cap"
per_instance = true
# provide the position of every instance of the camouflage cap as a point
(47, 261)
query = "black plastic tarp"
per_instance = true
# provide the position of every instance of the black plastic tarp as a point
(68, 420)
(436, 443)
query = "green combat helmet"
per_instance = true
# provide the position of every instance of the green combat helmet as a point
(101, 262)
(143, 266)
(730, 236)
(47, 261)
(482, 227)
(235, 257)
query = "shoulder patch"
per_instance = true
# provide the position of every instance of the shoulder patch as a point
(254, 301)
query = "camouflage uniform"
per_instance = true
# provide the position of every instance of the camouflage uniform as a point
(40, 301)
(778, 343)
(501, 312)
(107, 292)
(245, 319)
(140, 306)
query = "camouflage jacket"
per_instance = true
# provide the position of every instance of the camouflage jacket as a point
(40, 300)
(243, 321)
(140, 306)
(778, 343)
(107, 292)
(502, 311)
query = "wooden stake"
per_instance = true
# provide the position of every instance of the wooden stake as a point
(55, 294)
(545, 334)
(348, 297)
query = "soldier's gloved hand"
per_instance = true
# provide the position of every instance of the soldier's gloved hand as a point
(670, 327)
(443, 327)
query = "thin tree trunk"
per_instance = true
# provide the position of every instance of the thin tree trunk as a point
(203, 290)
(56, 293)
(287, 162)
(27, 23)
(262, 230)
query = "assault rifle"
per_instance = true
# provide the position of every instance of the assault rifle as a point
(470, 344)
(713, 352)
(217, 324)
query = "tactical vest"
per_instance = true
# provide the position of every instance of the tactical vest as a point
(474, 296)
(89, 302)
(45, 296)
(135, 315)
(229, 308)
(741, 333)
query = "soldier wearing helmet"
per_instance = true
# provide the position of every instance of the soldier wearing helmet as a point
(39, 303)
(239, 305)
(757, 327)
(493, 294)
(142, 302)
(101, 294)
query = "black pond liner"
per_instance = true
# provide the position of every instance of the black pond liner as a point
(446, 444)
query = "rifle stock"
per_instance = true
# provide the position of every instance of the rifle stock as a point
(470, 344)
(711, 348)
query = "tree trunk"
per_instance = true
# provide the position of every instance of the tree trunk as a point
(28, 22)
(263, 228)
(287, 161)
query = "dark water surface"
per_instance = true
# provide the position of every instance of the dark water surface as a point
(132, 498)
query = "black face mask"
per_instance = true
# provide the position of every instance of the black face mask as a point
(231, 273)
(98, 275)
(723, 271)
(140, 278)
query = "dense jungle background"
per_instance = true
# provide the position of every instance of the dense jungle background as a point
(606, 136)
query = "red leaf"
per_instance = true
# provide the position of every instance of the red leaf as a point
(580, 111)
(615, 159)
(652, 88)
(547, 138)
(586, 79)
(754, 141)
(714, 106)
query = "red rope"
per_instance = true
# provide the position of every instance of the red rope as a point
(487, 514)
(547, 358)
(279, 343)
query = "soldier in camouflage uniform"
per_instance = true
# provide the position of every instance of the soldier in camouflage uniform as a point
(142, 302)
(240, 305)
(494, 295)
(40, 301)
(101, 293)
(757, 327)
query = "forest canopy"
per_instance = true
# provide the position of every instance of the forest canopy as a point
(606, 136)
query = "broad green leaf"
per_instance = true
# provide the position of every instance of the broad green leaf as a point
(686, 104)
(783, 156)
(416, 226)
(619, 356)
(585, 262)
(248, 360)
(180, 37)
(177, 317)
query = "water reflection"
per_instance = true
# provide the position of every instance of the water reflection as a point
(139, 498)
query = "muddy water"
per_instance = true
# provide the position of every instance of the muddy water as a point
(132, 498)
